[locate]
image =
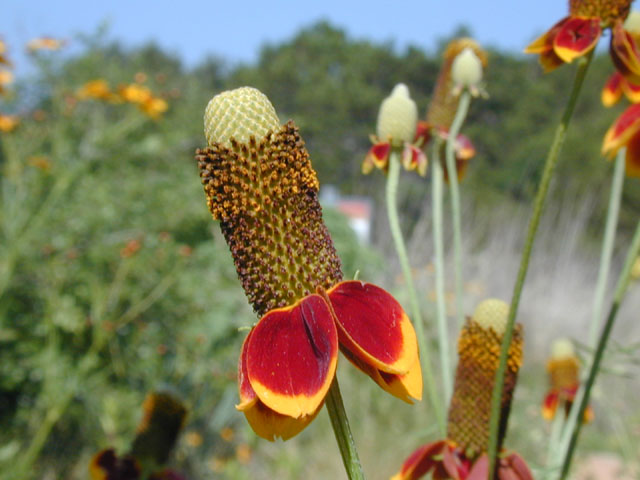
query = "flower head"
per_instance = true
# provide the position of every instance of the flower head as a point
(8, 123)
(260, 185)
(446, 96)
(563, 367)
(97, 89)
(625, 132)
(396, 127)
(463, 454)
(577, 34)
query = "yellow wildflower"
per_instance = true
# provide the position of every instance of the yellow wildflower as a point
(40, 161)
(45, 43)
(135, 93)
(98, 88)
(154, 107)
(3, 51)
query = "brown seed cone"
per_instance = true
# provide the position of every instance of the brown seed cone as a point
(265, 195)
(563, 372)
(162, 420)
(470, 407)
(609, 11)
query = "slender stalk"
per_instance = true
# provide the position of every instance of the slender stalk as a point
(393, 177)
(621, 289)
(607, 244)
(461, 113)
(541, 195)
(438, 245)
(342, 431)
(554, 439)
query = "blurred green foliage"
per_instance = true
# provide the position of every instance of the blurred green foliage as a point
(114, 280)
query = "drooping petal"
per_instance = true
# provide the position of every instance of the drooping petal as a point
(577, 37)
(622, 131)
(373, 326)
(452, 463)
(423, 134)
(265, 422)
(420, 461)
(405, 387)
(480, 469)
(632, 158)
(414, 159)
(631, 90)
(550, 405)
(612, 90)
(544, 43)
(378, 157)
(625, 53)
(291, 357)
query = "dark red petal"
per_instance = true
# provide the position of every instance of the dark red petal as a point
(577, 37)
(420, 462)
(550, 405)
(373, 326)
(622, 131)
(544, 43)
(246, 393)
(625, 53)
(632, 159)
(480, 469)
(451, 463)
(519, 467)
(291, 357)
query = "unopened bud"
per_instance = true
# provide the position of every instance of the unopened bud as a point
(239, 114)
(467, 69)
(398, 116)
(492, 313)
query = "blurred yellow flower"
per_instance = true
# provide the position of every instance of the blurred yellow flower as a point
(140, 77)
(227, 434)
(40, 161)
(45, 43)
(243, 453)
(3, 51)
(8, 123)
(135, 93)
(98, 89)
(6, 77)
(154, 107)
(193, 439)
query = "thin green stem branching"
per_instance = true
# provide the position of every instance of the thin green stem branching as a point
(461, 113)
(393, 177)
(538, 207)
(582, 399)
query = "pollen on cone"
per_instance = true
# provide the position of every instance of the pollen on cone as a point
(239, 114)
(562, 348)
(492, 313)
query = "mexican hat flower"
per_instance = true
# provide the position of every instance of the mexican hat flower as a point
(260, 185)
(618, 84)
(446, 95)
(396, 127)
(625, 132)
(162, 419)
(577, 34)
(463, 454)
(563, 368)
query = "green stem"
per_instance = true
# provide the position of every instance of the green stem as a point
(607, 244)
(541, 195)
(342, 431)
(621, 289)
(461, 113)
(393, 177)
(438, 245)
(554, 440)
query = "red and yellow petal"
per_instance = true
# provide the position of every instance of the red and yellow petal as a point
(378, 157)
(631, 91)
(406, 387)
(291, 357)
(544, 43)
(513, 467)
(612, 90)
(423, 133)
(414, 159)
(622, 131)
(550, 405)
(625, 53)
(576, 37)
(265, 422)
(373, 326)
(420, 462)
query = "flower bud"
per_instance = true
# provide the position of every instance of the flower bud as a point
(239, 114)
(467, 69)
(492, 313)
(398, 116)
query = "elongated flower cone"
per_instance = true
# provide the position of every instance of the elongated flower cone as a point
(444, 101)
(479, 354)
(608, 11)
(260, 185)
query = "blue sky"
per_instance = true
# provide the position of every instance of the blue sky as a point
(235, 30)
